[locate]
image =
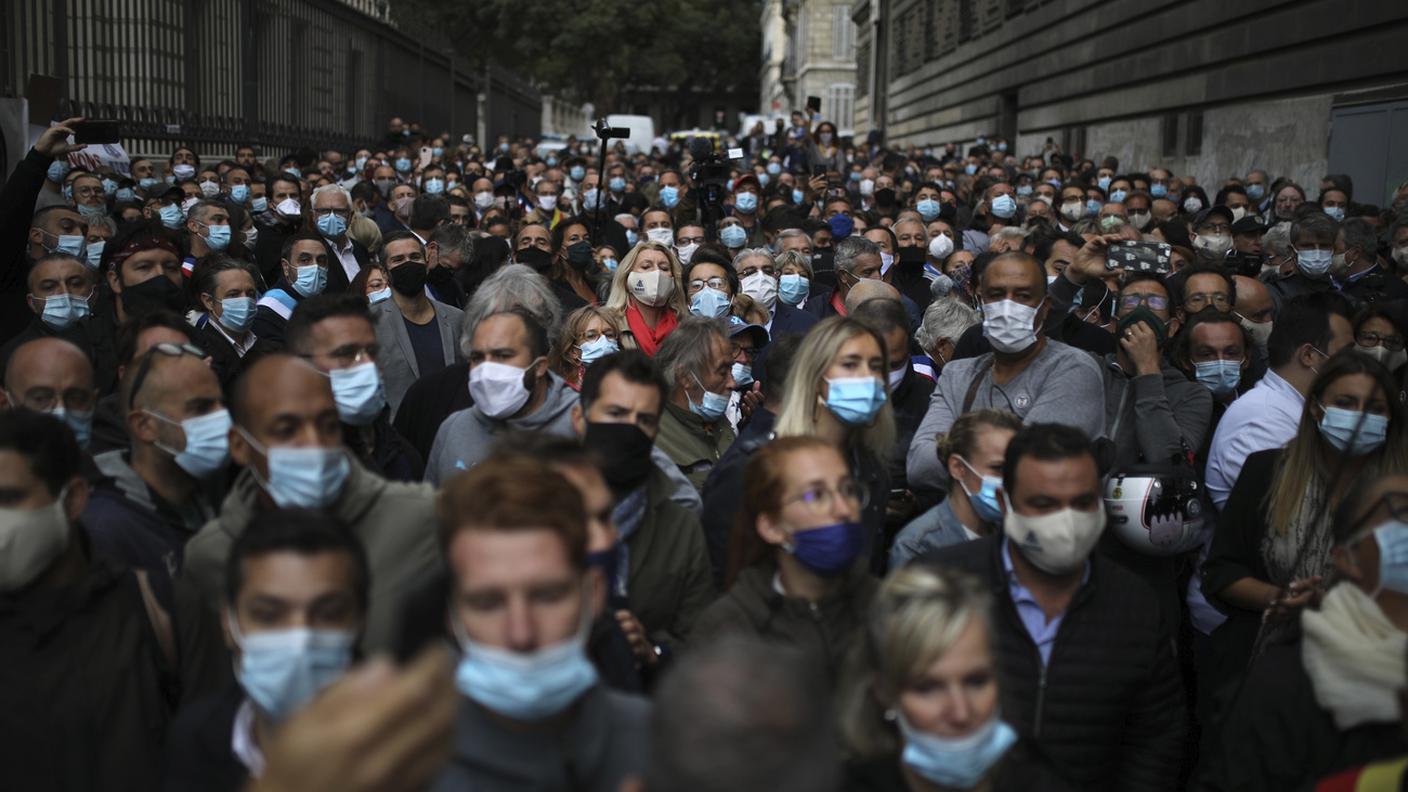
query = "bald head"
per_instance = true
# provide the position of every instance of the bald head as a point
(47, 362)
(282, 402)
(870, 289)
(1253, 299)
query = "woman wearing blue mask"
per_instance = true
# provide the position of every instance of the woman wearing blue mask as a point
(796, 572)
(1271, 550)
(588, 334)
(710, 285)
(972, 453)
(919, 706)
(373, 281)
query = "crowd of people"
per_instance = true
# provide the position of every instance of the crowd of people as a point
(833, 465)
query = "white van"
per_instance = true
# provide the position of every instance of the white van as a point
(642, 131)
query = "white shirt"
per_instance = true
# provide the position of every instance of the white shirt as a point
(1266, 416)
(242, 741)
(241, 347)
(348, 259)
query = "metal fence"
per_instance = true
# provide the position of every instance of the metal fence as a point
(277, 73)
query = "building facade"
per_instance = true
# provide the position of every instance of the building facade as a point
(1206, 87)
(809, 49)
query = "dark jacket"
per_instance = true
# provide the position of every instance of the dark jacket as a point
(198, 753)
(382, 450)
(16, 213)
(1024, 768)
(1108, 707)
(825, 631)
(787, 320)
(429, 401)
(910, 402)
(273, 310)
(1276, 737)
(723, 489)
(83, 334)
(1294, 285)
(225, 360)
(668, 585)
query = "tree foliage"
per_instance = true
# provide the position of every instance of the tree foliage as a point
(594, 50)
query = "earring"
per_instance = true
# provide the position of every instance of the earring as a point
(890, 715)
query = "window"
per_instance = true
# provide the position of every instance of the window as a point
(1194, 135)
(841, 105)
(843, 34)
(1170, 134)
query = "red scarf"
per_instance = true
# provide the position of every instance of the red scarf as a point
(838, 303)
(647, 339)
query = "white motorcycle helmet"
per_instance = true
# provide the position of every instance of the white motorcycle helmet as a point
(1156, 511)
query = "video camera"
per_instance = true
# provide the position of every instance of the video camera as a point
(709, 173)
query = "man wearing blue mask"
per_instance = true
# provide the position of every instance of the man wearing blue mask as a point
(334, 332)
(51, 375)
(161, 490)
(295, 603)
(207, 230)
(332, 217)
(534, 714)
(303, 273)
(61, 291)
(696, 361)
(747, 207)
(1313, 243)
(288, 439)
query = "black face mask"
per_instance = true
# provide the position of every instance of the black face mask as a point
(624, 451)
(409, 278)
(154, 294)
(911, 256)
(885, 197)
(579, 255)
(539, 260)
(440, 276)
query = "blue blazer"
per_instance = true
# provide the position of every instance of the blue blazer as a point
(787, 320)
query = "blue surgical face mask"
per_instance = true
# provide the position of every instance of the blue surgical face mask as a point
(855, 400)
(669, 196)
(282, 670)
(91, 213)
(1256, 191)
(551, 162)
(616, 184)
(929, 209)
(1118, 196)
(1104, 183)
(148, 183)
(712, 407)
(79, 422)
(524, 686)
(733, 236)
(1092, 207)
(762, 180)
(1220, 376)
(610, 264)
(403, 164)
(592, 351)
(793, 289)
(72, 244)
(109, 187)
(379, 296)
(955, 762)
(331, 225)
(742, 375)
(219, 237)
(1024, 190)
(632, 237)
(970, 169)
(358, 392)
(590, 198)
(1353, 432)
(1004, 206)
(237, 313)
(1393, 555)
(746, 202)
(361, 163)
(125, 194)
(58, 169)
(311, 280)
(438, 151)
(259, 204)
(1314, 263)
(798, 197)
(829, 550)
(1158, 190)
(577, 172)
(709, 303)
(434, 186)
(774, 168)
(171, 216)
(62, 310)
(1335, 212)
(207, 442)
(94, 254)
(984, 501)
(301, 478)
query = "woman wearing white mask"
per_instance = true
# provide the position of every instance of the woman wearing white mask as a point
(1380, 336)
(1334, 700)
(646, 289)
(919, 710)
(1270, 553)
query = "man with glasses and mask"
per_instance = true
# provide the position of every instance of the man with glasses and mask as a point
(418, 332)
(60, 300)
(334, 332)
(161, 489)
(534, 713)
(332, 217)
(287, 437)
(758, 278)
(1026, 373)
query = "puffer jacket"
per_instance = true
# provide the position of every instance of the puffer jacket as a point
(1108, 707)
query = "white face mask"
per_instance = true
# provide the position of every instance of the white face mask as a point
(1238, 212)
(1216, 244)
(288, 207)
(940, 247)
(32, 539)
(1073, 210)
(686, 253)
(1056, 543)
(1140, 220)
(483, 200)
(651, 288)
(762, 288)
(547, 202)
(499, 390)
(1259, 331)
(661, 236)
(1009, 326)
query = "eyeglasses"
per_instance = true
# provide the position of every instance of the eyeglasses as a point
(1196, 302)
(349, 354)
(695, 240)
(750, 352)
(1156, 302)
(819, 499)
(716, 283)
(748, 272)
(592, 335)
(169, 350)
(1392, 343)
(1215, 228)
(41, 399)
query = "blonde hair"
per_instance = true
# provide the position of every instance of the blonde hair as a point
(962, 436)
(797, 416)
(796, 258)
(918, 614)
(619, 297)
(566, 359)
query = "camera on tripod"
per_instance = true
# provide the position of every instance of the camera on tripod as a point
(710, 172)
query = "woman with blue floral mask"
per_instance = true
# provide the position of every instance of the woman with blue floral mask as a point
(796, 573)
(919, 706)
(1270, 553)
(972, 452)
